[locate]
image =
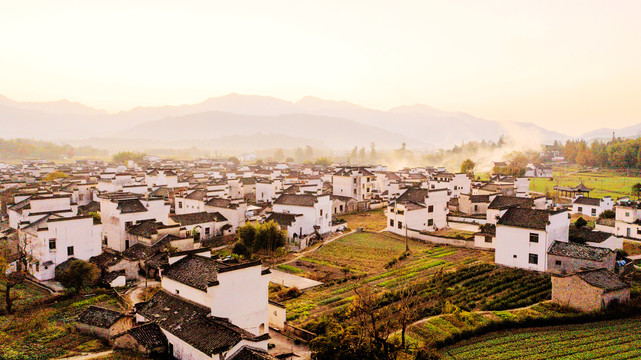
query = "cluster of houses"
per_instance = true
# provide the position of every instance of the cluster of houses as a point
(161, 218)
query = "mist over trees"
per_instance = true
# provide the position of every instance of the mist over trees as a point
(21, 149)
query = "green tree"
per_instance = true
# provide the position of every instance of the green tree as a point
(580, 222)
(9, 281)
(124, 156)
(279, 155)
(636, 190)
(309, 153)
(78, 275)
(323, 161)
(468, 166)
(247, 235)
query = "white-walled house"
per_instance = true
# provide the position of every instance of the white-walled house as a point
(192, 202)
(267, 190)
(591, 206)
(29, 208)
(54, 239)
(457, 184)
(628, 221)
(356, 182)
(118, 211)
(524, 236)
(419, 210)
(316, 212)
(235, 212)
(208, 225)
(209, 309)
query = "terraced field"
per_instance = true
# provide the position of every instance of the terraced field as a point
(617, 339)
(466, 278)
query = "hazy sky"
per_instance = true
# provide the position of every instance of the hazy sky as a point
(566, 65)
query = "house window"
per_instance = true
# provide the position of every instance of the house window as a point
(341, 207)
(354, 180)
(558, 262)
(400, 212)
(430, 222)
(400, 224)
(180, 204)
(593, 212)
(321, 212)
(580, 208)
(533, 259)
(534, 238)
(70, 250)
(391, 222)
(206, 231)
(104, 241)
(430, 208)
(514, 256)
(52, 244)
(354, 191)
(488, 239)
(126, 244)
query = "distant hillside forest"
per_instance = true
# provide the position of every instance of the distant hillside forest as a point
(18, 149)
(616, 154)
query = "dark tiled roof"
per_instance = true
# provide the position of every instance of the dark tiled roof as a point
(145, 228)
(197, 218)
(282, 219)
(414, 195)
(99, 317)
(93, 206)
(191, 323)
(196, 195)
(503, 202)
(251, 353)
(148, 335)
(589, 235)
(295, 199)
(584, 200)
(194, 270)
(525, 218)
(106, 259)
(480, 198)
(221, 203)
(602, 278)
(578, 251)
(131, 206)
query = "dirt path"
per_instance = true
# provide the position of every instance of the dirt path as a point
(89, 356)
(484, 312)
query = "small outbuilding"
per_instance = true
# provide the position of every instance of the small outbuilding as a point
(103, 323)
(147, 339)
(589, 290)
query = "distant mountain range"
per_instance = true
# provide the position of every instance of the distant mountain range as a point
(259, 122)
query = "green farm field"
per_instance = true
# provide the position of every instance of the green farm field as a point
(617, 339)
(44, 331)
(604, 182)
(465, 277)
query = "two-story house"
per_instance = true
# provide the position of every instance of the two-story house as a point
(524, 236)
